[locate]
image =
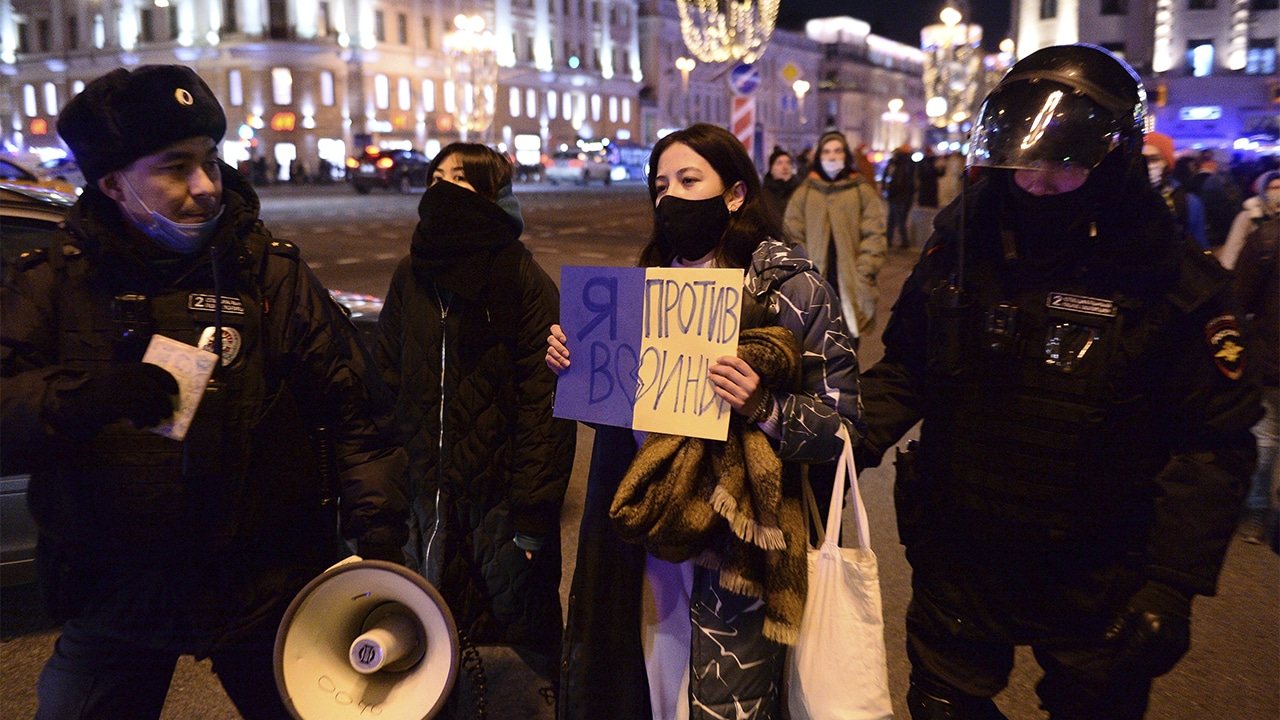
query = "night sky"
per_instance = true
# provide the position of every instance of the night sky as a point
(899, 20)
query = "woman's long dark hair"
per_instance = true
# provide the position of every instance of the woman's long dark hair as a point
(750, 225)
(487, 170)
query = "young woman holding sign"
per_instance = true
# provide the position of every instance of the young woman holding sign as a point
(460, 342)
(648, 638)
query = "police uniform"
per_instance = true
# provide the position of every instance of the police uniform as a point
(170, 547)
(1080, 378)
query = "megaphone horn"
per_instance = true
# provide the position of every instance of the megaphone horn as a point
(365, 638)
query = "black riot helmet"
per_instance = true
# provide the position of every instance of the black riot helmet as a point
(1062, 105)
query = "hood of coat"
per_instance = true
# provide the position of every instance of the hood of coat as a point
(773, 263)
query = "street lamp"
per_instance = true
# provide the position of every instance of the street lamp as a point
(685, 65)
(801, 87)
(474, 72)
(953, 66)
(893, 120)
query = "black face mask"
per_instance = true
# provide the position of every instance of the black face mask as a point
(690, 229)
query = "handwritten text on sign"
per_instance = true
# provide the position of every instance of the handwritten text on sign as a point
(641, 341)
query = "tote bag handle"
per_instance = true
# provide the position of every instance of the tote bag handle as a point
(845, 467)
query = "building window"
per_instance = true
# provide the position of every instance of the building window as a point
(626, 110)
(402, 29)
(235, 88)
(449, 90)
(282, 86)
(1261, 57)
(42, 35)
(379, 26)
(595, 108)
(99, 32)
(50, 99)
(145, 20)
(426, 32)
(29, 100)
(530, 55)
(1115, 7)
(552, 106)
(324, 25)
(404, 94)
(429, 95)
(173, 23)
(229, 22)
(1048, 9)
(613, 108)
(568, 107)
(326, 88)
(381, 91)
(530, 102)
(1202, 4)
(1200, 57)
(515, 102)
(73, 33)
(24, 37)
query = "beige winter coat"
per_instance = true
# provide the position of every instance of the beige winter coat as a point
(850, 211)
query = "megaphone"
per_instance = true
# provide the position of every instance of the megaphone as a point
(366, 638)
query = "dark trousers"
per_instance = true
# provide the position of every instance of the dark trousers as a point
(1078, 681)
(92, 677)
(897, 222)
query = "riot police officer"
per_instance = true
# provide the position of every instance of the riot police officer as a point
(1085, 439)
(158, 544)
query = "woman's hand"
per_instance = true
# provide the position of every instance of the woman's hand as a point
(737, 384)
(557, 352)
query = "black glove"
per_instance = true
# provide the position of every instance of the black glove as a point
(1154, 631)
(138, 392)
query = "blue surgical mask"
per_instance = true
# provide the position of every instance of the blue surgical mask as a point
(832, 167)
(182, 238)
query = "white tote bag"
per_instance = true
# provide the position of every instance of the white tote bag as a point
(837, 669)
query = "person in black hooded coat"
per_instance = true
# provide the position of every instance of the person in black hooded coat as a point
(460, 342)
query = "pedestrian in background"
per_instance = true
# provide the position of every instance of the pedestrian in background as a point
(929, 169)
(460, 342)
(1085, 417)
(1188, 211)
(1262, 207)
(899, 187)
(1220, 195)
(780, 181)
(839, 217)
(1257, 285)
(644, 632)
(151, 548)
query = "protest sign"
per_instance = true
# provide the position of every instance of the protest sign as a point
(641, 341)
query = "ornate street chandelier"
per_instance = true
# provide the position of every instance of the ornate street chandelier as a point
(718, 31)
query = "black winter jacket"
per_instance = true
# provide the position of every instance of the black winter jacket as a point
(188, 556)
(473, 405)
(1136, 476)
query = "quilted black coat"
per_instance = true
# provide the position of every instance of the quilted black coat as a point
(473, 403)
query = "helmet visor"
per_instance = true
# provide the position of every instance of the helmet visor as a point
(1034, 125)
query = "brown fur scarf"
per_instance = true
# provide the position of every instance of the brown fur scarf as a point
(722, 503)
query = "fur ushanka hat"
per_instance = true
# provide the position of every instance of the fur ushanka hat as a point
(125, 115)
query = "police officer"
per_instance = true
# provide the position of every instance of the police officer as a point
(1085, 437)
(150, 546)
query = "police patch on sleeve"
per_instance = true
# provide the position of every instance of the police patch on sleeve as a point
(1227, 345)
(231, 343)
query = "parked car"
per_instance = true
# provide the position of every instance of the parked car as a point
(400, 170)
(64, 169)
(579, 167)
(14, 170)
(30, 216)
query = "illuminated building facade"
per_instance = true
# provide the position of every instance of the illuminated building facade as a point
(308, 81)
(1210, 66)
